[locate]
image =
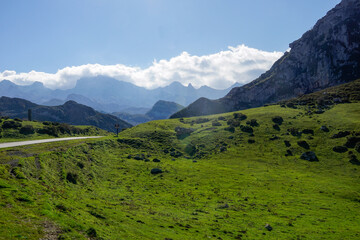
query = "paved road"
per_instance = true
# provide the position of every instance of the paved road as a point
(16, 144)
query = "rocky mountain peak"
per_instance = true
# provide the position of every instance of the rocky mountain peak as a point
(326, 55)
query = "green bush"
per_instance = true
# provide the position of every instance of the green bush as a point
(11, 124)
(28, 129)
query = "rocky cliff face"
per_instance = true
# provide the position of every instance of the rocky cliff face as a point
(326, 55)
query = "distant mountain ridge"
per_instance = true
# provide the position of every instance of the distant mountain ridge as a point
(107, 94)
(325, 56)
(160, 110)
(70, 112)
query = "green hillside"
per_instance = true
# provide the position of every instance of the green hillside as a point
(223, 177)
(21, 130)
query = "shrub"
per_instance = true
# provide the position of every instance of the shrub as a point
(72, 177)
(28, 129)
(246, 129)
(230, 129)
(11, 124)
(201, 120)
(253, 123)
(357, 147)
(216, 123)
(190, 149)
(239, 116)
(276, 127)
(50, 130)
(278, 120)
(233, 122)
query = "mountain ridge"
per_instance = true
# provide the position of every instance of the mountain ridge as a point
(325, 56)
(161, 110)
(107, 94)
(70, 112)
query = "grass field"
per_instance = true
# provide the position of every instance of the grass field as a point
(221, 179)
(21, 130)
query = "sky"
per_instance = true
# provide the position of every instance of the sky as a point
(149, 42)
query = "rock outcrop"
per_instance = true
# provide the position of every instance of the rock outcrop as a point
(325, 56)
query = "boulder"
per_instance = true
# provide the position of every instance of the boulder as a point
(239, 116)
(268, 227)
(288, 153)
(324, 128)
(308, 131)
(156, 171)
(180, 131)
(340, 149)
(357, 147)
(287, 143)
(295, 132)
(215, 124)
(309, 156)
(247, 129)
(253, 123)
(276, 127)
(303, 144)
(278, 120)
(352, 141)
(156, 160)
(139, 157)
(341, 134)
(354, 160)
(274, 137)
(223, 149)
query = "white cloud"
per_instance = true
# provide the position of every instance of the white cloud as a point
(220, 70)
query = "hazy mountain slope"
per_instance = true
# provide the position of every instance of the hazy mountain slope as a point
(70, 112)
(163, 109)
(35, 92)
(327, 55)
(160, 110)
(109, 95)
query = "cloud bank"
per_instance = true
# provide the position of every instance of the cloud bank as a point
(220, 70)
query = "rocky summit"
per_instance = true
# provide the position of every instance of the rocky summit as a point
(325, 56)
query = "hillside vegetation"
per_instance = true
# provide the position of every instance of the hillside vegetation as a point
(216, 177)
(69, 113)
(18, 129)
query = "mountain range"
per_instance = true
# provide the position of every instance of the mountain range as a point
(325, 56)
(70, 112)
(161, 110)
(108, 95)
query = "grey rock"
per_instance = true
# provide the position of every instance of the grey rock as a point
(156, 171)
(268, 227)
(309, 156)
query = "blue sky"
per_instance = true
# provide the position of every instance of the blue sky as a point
(47, 35)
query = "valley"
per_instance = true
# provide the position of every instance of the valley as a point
(273, 158)
(226, 178)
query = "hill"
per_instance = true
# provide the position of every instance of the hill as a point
(160, 110)
(272, 172)
(21, 130)
(70, 112)
(325, 56)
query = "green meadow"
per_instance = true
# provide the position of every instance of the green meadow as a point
(223, 176)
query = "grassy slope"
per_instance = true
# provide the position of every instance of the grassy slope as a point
(224, 195)
(13, 134)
